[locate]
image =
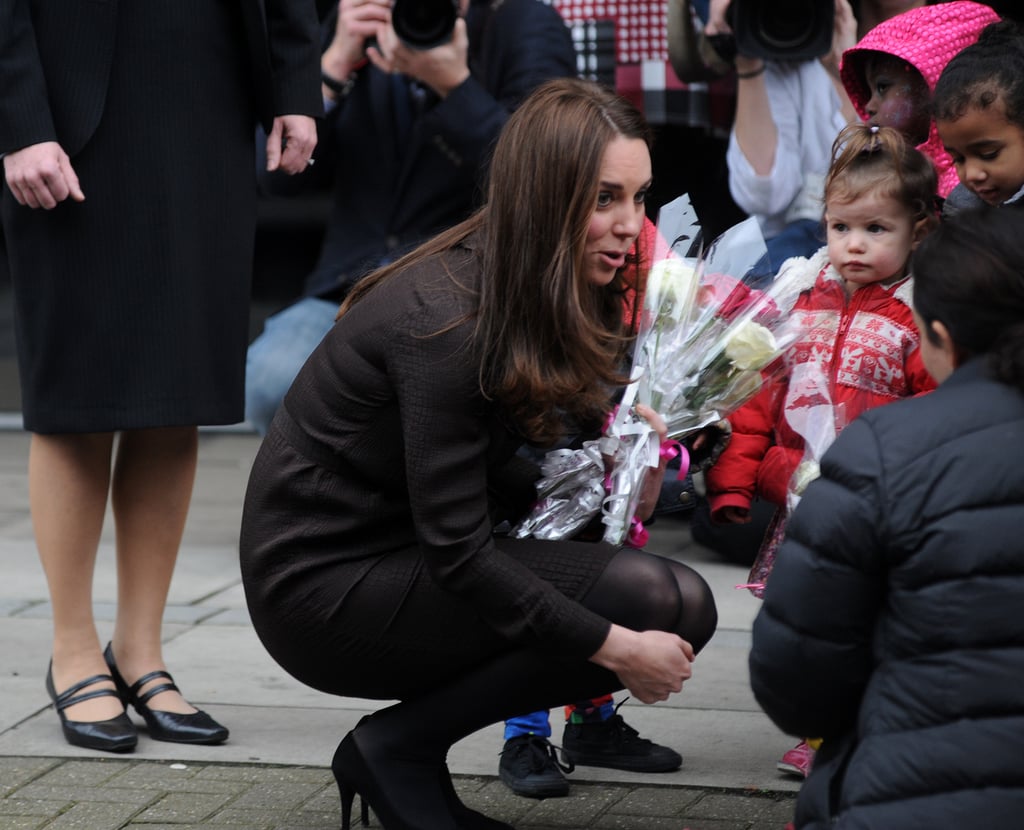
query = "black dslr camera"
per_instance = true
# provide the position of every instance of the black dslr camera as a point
(789, 30)
(424, 24)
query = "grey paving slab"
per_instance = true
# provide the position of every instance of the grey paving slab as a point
(134, 793)
(281, 728)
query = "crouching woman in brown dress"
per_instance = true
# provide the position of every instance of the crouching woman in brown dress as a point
(368, 554)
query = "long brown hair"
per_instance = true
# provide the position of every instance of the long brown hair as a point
(551, 344)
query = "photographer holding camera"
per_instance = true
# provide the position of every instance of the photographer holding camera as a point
(790, 105)
(432, 50)
(404, 145)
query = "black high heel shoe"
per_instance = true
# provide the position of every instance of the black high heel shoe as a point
(421, 805)
(116, 734)
(192, 728)
(468, 819)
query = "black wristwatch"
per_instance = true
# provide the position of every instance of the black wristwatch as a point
(339, 88)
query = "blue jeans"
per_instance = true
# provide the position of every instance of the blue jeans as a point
(275, 357)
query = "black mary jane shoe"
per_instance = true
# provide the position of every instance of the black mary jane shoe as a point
(192, 728)
(114, 735)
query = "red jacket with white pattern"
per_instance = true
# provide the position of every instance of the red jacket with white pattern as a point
(868, 348)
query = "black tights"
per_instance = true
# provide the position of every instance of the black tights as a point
(646, 592)
(637, 590)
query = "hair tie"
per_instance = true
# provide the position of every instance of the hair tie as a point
(874, 143)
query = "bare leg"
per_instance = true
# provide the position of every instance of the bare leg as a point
(152, 487)
(69, 476)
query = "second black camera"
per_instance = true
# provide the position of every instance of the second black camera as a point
(782, 29)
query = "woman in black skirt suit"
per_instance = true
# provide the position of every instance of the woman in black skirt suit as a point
(368, 555)
(129, 214)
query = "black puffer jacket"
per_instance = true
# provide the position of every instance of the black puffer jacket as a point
(893, 624)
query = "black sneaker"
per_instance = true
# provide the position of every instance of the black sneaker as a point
(530, 767)
(615, 744)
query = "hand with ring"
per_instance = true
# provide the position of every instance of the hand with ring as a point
(290, 143)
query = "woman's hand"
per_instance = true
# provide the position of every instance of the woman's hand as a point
(651, 664)
(651, 488)
(41, 176)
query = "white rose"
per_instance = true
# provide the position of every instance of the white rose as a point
(751, 347)
(670, 283)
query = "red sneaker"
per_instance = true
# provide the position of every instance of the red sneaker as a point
(797, 761)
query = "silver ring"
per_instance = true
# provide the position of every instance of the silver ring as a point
(310, 162)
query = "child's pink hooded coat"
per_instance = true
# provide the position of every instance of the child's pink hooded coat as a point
(927, 38)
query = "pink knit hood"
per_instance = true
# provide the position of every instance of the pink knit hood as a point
(927, 38)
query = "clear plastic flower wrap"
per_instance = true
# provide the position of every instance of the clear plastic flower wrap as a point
(811, 414)
(706, 344)
(815, 418)
(707, 339)
(570, 493)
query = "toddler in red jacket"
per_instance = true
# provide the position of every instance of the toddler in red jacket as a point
(855, 331)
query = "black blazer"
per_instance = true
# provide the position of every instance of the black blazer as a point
(55, 58)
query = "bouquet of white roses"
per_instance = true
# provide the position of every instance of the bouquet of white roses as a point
(706, 338)
(706, 344)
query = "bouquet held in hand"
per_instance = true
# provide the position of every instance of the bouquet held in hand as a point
(706, 344)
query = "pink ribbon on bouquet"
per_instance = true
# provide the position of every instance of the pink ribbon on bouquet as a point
(638, 536)
(672, 448)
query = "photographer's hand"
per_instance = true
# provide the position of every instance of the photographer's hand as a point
(442, 68)
(718, 23)
(844, 36)
(358, 20)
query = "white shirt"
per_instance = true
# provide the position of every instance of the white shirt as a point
(808, 116)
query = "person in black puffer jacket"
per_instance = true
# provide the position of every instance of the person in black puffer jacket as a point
(892, 625)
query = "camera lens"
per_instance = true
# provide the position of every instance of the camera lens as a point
(783, 29)
(424, 24)
(785, 25)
